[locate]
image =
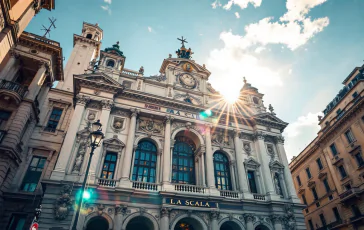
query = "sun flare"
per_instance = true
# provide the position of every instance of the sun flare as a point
(231, 96)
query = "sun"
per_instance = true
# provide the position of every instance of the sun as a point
(231, 96)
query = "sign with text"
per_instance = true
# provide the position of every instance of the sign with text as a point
(150, 106)
(183, 114)
(192, 203)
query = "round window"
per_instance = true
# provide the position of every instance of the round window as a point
(255, 100)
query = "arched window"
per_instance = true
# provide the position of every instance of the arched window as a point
(183, 164)
(145, 162)
(108, 169)
(110, 63)
(222, 171)
(89, 36)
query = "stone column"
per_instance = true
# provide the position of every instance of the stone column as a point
(214, 216)
(203, 172)
(209, 158)
(283, 185)
(167, 150)
(125, 174)
(158, 171)
(259, 182)
(66, 150)
(232, 172)
(277, 222)
(119, 216)
(37, 82)
(104, 119)
(264, 160)
(10, 68)
(287, 173)
(249, 218)
(164, 219)
(242, 178)
(197, 170)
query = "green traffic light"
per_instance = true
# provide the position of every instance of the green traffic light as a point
(86, 195)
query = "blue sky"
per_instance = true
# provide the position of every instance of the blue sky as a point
(296, 52)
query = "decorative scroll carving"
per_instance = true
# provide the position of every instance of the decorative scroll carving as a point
(122, 210)
(221, 139)
(82, 99)
(289, 219)
(199, 128)
(280, 139)
(214, 215)
(107, 104)
(94, 105)
(259, 135)
(63, 203)
(165, 212)
(150, 126)
(134, 112)
(188, 98)
(247, 148)
(158, 77)
(249, 217)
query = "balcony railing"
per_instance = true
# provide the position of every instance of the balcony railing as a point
(229, 194)
(111, 183)
(14, 87)
(356, 217)
(258, 196)
(145, 186)
(189, 188)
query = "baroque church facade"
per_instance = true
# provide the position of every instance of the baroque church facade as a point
(173, 156)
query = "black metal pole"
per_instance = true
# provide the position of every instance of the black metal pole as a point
(74, 227)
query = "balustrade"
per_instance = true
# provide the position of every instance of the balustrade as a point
(145, 186)
(259, 197)
(107, 182)
(189, 188)
(14, 87)
(230, 194)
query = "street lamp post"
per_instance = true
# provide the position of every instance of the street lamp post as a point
(95, 138)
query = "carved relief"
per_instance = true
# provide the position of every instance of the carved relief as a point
(150, 126)
(158, 77)
(247, 148)
(199, 128)
(79, 157)
(63, 203)
(221, 139)
(82, 99)
(186, 97)
(289, 218)
(107, 104)
(91, 116)
(118, 124)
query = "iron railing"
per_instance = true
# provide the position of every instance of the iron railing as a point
(14, 87)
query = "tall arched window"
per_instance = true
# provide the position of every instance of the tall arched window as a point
(108, 169)
(89, 36)
(145, 162)
(110, 63)
(222, 171)
(183, 164)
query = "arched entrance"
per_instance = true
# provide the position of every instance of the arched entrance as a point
(261, 227)
(188, 224)
(230, 225)
(140, 223)
(97, 223)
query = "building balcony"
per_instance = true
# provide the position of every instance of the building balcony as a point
(145, 186)
(332, 225)
(13, 89)
(110, 183)
(189, 188)
(349, 194)
(357, 218)
(258, 196)
(230, 194)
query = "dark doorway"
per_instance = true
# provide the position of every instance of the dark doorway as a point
(139, 223)
(97, 223)
(261, 227)
(229, 225)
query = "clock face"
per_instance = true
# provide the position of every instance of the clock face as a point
(188, 81)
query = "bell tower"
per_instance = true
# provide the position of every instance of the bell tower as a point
(86, 48)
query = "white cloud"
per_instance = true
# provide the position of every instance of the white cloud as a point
(150, 29)
(242, 3)
(290, 71)
(237, 14)
(298, 9)
(108, 1)
(216, 4)
(259, 49)
(300, 133)
(106, 8)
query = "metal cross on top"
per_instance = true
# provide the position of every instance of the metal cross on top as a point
(183, 40)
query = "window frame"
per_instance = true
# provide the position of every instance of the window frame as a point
(109, 162)
(360, 160)
(334, 153)
(50, 119)
(148, 164)
(227, 184)
(304, 199)
(314, 193)
(180, 155)
(28, 181)
(110, 61)
(350, 138)
(326, 185)
(319, 164)
(299, 182)
(254, 181)
(323, 220)
(311, 224)
(343, 171)
(14, 215)
(336, 212)
(308, 173)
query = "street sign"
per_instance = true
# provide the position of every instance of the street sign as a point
(34, 226)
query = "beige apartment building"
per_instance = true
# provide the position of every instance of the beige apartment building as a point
(329, 173)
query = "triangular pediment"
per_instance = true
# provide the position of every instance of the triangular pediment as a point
(100, 77)
(276, 165)
(268, 117)
(251, 163)
(114, 143)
